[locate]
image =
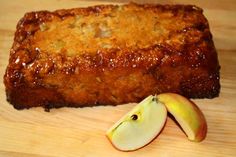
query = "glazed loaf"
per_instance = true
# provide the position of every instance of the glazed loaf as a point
(110, 55)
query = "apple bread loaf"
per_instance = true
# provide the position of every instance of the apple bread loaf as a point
(111, 54)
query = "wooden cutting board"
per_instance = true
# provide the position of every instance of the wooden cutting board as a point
(81, 132)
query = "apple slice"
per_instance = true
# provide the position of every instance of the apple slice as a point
(139, 126)
(187, 114)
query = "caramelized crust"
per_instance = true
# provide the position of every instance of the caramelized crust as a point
(109, 55)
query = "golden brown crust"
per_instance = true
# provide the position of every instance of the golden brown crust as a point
(111, 55)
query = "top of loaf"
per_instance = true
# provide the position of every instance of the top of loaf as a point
(111, 36)
(87, 30)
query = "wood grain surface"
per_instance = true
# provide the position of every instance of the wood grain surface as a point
(80, 132)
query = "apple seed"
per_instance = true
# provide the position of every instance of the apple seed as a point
(134, 117)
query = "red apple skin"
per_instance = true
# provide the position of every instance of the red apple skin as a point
(131, 150)
(180, 106)
(160, 112)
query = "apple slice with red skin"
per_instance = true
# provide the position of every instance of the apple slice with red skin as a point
(139, 126)
(187, 114)
(145, 121)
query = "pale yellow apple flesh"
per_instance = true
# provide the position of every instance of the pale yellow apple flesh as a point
(187, 114)
(139, 126)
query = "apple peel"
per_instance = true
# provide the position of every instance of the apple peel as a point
(139, 126)
(146, 120)
(187, 114)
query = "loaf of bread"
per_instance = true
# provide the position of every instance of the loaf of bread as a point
(110, 55)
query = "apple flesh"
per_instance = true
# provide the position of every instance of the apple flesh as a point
(187, 114)
(139, 126)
